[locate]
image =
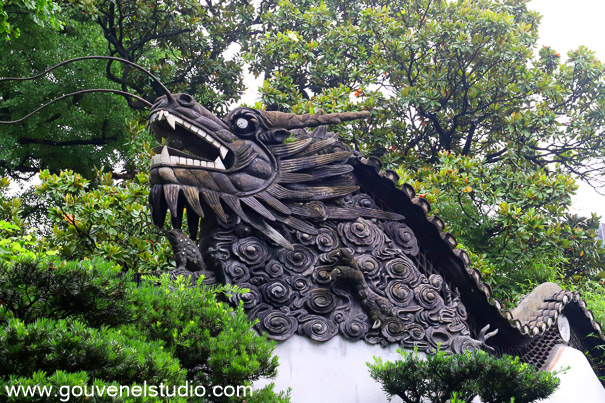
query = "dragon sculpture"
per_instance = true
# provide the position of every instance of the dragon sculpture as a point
(286, 215)
(327, 243)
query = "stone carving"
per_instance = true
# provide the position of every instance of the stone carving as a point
(283, 215)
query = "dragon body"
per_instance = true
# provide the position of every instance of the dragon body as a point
(325, 242)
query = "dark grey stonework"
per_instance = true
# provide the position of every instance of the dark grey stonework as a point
(285, 218)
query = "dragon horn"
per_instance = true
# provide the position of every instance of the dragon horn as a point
(294, 121)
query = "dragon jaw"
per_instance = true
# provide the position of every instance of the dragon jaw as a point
(178, 158)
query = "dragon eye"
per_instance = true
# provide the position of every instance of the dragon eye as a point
(242, 123)
(186, 100)
(244, 126)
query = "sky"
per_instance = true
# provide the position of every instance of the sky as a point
(566, 25)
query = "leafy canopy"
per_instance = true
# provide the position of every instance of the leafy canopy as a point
(438, 76)
(191, 46)
(491, 130)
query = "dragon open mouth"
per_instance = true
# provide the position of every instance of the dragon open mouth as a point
(187, 145)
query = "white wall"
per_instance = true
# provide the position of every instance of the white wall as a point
(336, 372)
(330, 372)
(579, 383)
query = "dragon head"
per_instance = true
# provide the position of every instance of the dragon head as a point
(241, 165)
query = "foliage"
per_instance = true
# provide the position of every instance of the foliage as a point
(437, 76)
(459, 378)
(109, 354)
(103, 218)
(167, 36)
(98, 129)
(41, 12)
(78, 133)
(215, 344)
(513, 219)
(89, 291)
(593, 292)
(90, 316)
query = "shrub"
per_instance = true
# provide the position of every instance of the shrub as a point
(212, 341)
(121, 354)
(87, 323)
(94, 291)
(103, 218)
(459, 378)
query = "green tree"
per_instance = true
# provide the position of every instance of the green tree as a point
(103, 218)
(14, 12)
(439, 76)
(489, 129)
(513, 217)
(71, 314)
(78, 133)
(191, 46)
(87, 323)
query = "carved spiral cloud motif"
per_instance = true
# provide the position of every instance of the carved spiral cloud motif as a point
(278, 324)
(301, 284)
(399, 293)
(361, 235)
(298, 260)
(249, 298)
(251, 250)
(277, 293)
(321, 300)
(403, 236)
(327, 239)
(404, 269)
(428, 297)
(274, 269)
(368, 264)
(355, 328)
(237, 271)
(318, 328)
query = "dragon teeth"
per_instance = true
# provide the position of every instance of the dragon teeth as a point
(165, 154)
(165, 158)
(171, 121)
(224, 151)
